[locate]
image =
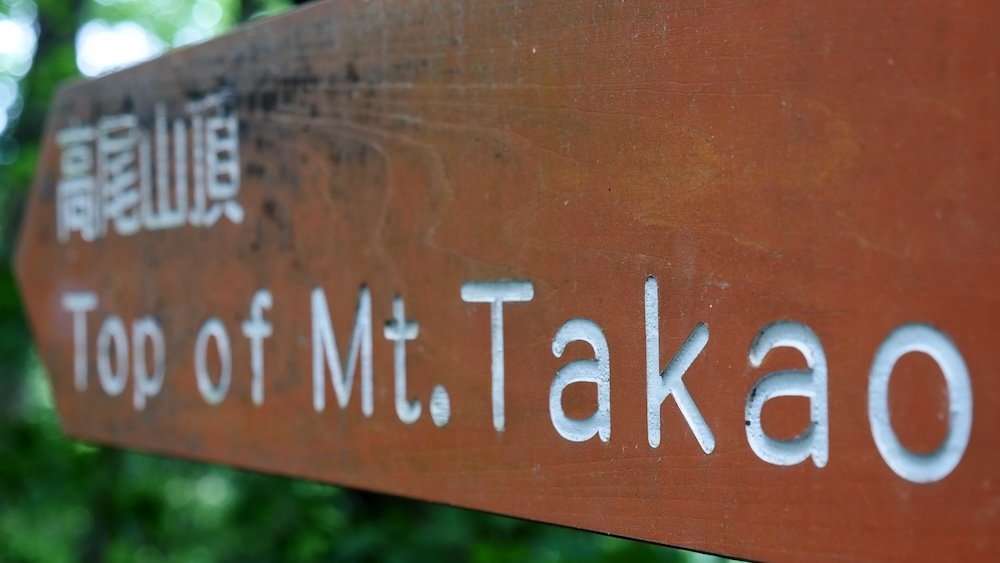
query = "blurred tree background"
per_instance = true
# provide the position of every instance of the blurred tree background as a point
(66, 501)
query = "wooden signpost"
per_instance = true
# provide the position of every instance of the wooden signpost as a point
(718, 275)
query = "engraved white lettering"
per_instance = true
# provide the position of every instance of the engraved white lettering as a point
(326, 354)
(256, 329)
(147, 384)
(670, 382)
(597, 371)
(398, 331)
(809, 383)
(115, 175)
(213, 393)
(79, 304)
(496, 293)
(936, 465)
(112, 331)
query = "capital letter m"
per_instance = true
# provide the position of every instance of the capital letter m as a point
(326, 354)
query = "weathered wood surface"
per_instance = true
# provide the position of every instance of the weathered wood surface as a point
(830, 163)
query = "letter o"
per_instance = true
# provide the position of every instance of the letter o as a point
(213, 328)
(936, 465)
(112, 330)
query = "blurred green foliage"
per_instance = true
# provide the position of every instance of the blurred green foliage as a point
(65, 501)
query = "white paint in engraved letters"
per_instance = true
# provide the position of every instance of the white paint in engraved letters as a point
(398, 331)
(198, 168)
(77, 208)
(78, 304)
(113, 176)
(256, 329)
(597, 371)
(440, 406)
(180, 176)
(147, 384)
(936, 465)
(112, 331)
(158, 212)
(213, 329)
(811, 383)
(216, 158)
(326, 353)
(120, 162)
(496, 293)
(659, 386)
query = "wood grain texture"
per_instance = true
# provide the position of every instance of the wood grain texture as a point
(834, 163)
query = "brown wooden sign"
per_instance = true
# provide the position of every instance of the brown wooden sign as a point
(717, 275)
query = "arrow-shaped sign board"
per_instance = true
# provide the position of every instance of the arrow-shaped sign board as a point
(715, 275)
